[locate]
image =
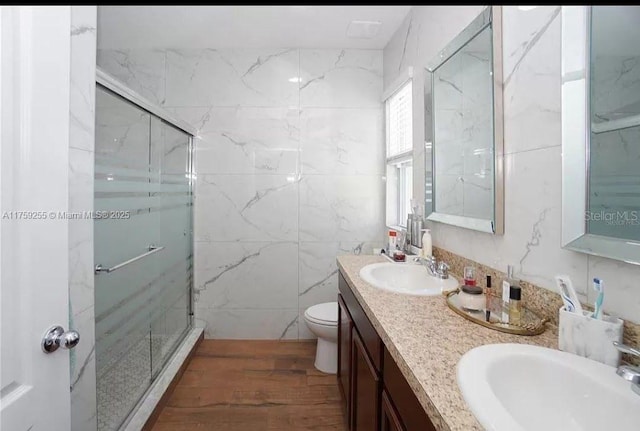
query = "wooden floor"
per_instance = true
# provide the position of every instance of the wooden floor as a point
(253, 386)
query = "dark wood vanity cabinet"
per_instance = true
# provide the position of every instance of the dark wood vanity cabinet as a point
(345, 325)
(365, 388)
(375, 393)
(390, 419)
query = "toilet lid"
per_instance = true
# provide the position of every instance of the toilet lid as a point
(324, 314)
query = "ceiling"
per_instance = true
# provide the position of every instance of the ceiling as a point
(139, 27)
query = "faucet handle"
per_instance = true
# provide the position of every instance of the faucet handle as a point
(443, 268)
(626, 349)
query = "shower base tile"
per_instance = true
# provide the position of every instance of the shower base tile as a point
(121, 385)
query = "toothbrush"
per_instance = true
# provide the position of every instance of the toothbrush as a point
(568, 294)
(598, 286)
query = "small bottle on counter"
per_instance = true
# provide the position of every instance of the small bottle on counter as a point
(392, 242)
(427, 248)
(515, 305)
(487, 296)
(471, 296)
(507, 284)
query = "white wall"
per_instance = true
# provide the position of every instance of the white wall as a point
(532, 104)
(289, 173)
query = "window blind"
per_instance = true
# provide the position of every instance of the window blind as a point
(400, 122)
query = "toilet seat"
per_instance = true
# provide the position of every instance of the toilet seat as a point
(323, 314)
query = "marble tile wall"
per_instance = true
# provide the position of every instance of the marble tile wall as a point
(81, 155)
(289, 161)
(532, 116)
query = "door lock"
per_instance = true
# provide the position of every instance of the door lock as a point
(56, 337)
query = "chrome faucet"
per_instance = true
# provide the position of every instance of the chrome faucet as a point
(435, 269)
(629, 372)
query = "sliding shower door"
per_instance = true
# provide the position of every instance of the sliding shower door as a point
(143, 251)
(171, 208)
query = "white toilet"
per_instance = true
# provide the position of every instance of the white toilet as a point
(322, 320)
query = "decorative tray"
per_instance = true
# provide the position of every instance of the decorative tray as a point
(530, 322)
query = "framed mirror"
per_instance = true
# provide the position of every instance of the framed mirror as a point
(601, 131)
(464, 131)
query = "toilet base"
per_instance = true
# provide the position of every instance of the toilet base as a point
(326, 356)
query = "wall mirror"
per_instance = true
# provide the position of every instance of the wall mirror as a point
(463, 95)
(601, 131)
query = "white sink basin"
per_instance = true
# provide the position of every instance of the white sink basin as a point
(517, 387)
(407, 278)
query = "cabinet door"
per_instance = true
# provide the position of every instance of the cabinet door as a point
(390, 419)
(365, 388)
(344, 356)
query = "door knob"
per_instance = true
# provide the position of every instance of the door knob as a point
(56, 337)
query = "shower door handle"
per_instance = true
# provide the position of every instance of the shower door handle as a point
(152, 249)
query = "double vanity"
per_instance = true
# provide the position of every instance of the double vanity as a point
(407, 362)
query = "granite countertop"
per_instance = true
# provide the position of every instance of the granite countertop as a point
(427, 339)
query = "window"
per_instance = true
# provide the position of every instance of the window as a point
(399, 128)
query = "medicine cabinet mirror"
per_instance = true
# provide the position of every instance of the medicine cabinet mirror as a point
(601, 131)
(464, 131)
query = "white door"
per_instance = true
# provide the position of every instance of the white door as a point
(34, 128)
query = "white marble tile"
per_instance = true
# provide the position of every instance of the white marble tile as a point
(348, 78)
(81, 170)
(342, 141)
(341, 208)
(81, 266)
(304, 333)
(318, 272)
(622, 295)
(82, 77)
(142, 70)
(245, 140)
(246, 208)
(532, 238)
(401, 50)
(83, 373)
(82, 362)
(228, 77)
(250, 324)
(532, 81)
(244, 275)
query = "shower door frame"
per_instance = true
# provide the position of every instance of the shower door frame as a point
(107, 81)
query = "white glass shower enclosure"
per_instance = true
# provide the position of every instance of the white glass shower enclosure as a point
(143, 196)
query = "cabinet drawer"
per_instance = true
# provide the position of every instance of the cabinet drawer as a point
(370, 339)
(414, 418)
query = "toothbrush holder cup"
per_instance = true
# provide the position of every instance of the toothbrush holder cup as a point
(592, 338)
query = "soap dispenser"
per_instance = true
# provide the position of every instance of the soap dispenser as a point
(427, 248)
